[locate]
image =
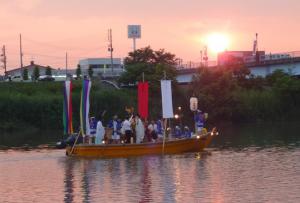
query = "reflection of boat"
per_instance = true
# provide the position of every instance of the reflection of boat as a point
(195, 144)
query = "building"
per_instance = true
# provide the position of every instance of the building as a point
(30, 68)
(102, 66)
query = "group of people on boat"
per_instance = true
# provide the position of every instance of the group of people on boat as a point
(134, 129)
(131, 130)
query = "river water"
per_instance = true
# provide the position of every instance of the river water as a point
(251, 163)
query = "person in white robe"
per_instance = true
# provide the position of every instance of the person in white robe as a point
(139, 129)
(100, 131)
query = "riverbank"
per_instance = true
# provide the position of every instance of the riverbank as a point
(40, 105)
(225, 97)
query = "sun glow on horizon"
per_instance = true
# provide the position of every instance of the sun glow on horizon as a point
(217, 42)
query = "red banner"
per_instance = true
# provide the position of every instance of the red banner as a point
(143, 99)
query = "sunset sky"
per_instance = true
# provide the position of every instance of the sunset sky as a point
(51, 27)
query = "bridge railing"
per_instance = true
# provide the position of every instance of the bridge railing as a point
(267, 59)
(275, 58)
(193, 65)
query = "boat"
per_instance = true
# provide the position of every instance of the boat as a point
(78, 145)
(195, 144)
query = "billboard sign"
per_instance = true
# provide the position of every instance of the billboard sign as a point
(134, 31)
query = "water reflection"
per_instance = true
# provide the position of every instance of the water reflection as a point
(247, 175)
(143, 179)
(87, 172)
(29, 138)
(146, 183)
(68, 181)
(261, 135)
(260, 169)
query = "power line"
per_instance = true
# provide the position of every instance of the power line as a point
(50, 56)
(43, 55)
(57, 46)
(98, 51)
(56, 56)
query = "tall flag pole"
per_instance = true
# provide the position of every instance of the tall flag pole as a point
(67, 113)
(85, 107)
(143, 99)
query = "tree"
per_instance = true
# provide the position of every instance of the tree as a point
(275, 76)
(154, 65)
(90, 71)
(242, 75)
(48, 71)
(149, 56)
(78, 71)
(215, 90)
(25, 74)
(36, 73)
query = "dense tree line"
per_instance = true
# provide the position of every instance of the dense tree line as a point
(228, 93)
(232, 93)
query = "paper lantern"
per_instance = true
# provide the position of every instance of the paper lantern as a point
(193, 103)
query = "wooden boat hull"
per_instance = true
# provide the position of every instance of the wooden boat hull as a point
(195, 144)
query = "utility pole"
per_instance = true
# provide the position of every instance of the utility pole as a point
(66, 65)
(255, 45)
(201, 58)
(21, 55)
(205, 57)
(110, 49)
(4, 59)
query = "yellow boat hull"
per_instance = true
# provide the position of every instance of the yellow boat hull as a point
(195, 144)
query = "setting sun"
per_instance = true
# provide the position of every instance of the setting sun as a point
(217, 42)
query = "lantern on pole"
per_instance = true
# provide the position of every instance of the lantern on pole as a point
(193, 103)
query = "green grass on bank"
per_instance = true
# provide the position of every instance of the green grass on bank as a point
(40, 105)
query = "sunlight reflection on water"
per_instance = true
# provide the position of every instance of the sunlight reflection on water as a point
(249, 175)
(246, 164)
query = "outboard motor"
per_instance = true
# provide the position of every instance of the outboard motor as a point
(69, 141)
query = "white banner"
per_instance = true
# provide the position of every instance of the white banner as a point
(87, 119)
(166, 95)
(67, 89)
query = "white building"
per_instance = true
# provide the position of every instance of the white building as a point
(102, 66)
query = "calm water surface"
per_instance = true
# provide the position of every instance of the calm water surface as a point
(253, 163)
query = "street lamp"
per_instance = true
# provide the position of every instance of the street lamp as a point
(176, 116)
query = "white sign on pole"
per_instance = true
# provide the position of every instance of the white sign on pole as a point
(134, 31)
